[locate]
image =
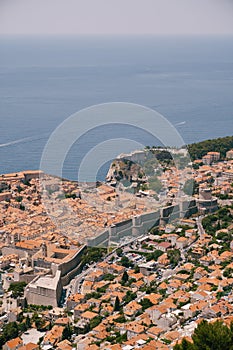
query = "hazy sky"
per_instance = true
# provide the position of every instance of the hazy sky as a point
(116, 17)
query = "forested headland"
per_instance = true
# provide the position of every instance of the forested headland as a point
(222, 145)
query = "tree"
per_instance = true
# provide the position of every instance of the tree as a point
(20, 317)
(125, 261)
(66, 334)
(174, 256)
(95, 322)
(117, 304)
(9, 331)
(119, 251)
(12, 330)
(21, 207)
(28, 322)
(164, 156)
(22, 327)
(39, 323)
(70, 195)
(228, 272)
(121, 338)
(215, 336)
(146, 303)
(156, 254)
(125, 277)
(19, 188)
(109, 277)
(209, 336)
(17, 289)
(129, 296)
(224, 213)
(93, 254)
(222, 145)
(120, 319)
(185, 345)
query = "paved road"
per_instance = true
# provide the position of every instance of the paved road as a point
(75, 283)
(201, 230)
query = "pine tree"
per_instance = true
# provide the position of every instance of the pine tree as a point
(28, 322)
(185, 345)
(125, 277)
(66, 334)
(208, 336)
(215, 336)
(117, 304)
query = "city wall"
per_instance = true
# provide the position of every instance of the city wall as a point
(140, 224)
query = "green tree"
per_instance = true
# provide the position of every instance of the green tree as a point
(93, 254)
(95, 322)
(22, 327)
(209, 336)
(121, 338)
(67, 332)
(174, 256)
(9, 331)
(19, 188)
(125, 277)
(117, 304)
(125, 261)
(222, 145)
(185, 345)
(25, 304)
(39, 321)
(164, 156)
(70, 195)
(129, 296)
(228, 272)
(109, 277)
(21, 207)
(119, 251)
(17, 289)
(146, 303)
(20, 317)
(28, 322)
(120, 319)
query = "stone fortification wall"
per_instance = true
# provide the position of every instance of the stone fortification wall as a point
(67, 266)
(120, 230)
(140, 224)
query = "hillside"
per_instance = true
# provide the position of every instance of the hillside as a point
(222, 145)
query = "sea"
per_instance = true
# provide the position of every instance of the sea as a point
(44, 80)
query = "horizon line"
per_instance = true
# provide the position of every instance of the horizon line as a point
(120, 35)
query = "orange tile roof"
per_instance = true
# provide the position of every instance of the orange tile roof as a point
(12, 344)
(89, 315)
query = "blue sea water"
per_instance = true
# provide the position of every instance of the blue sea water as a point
(189, 80)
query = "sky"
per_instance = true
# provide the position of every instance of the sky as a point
(116, 17)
